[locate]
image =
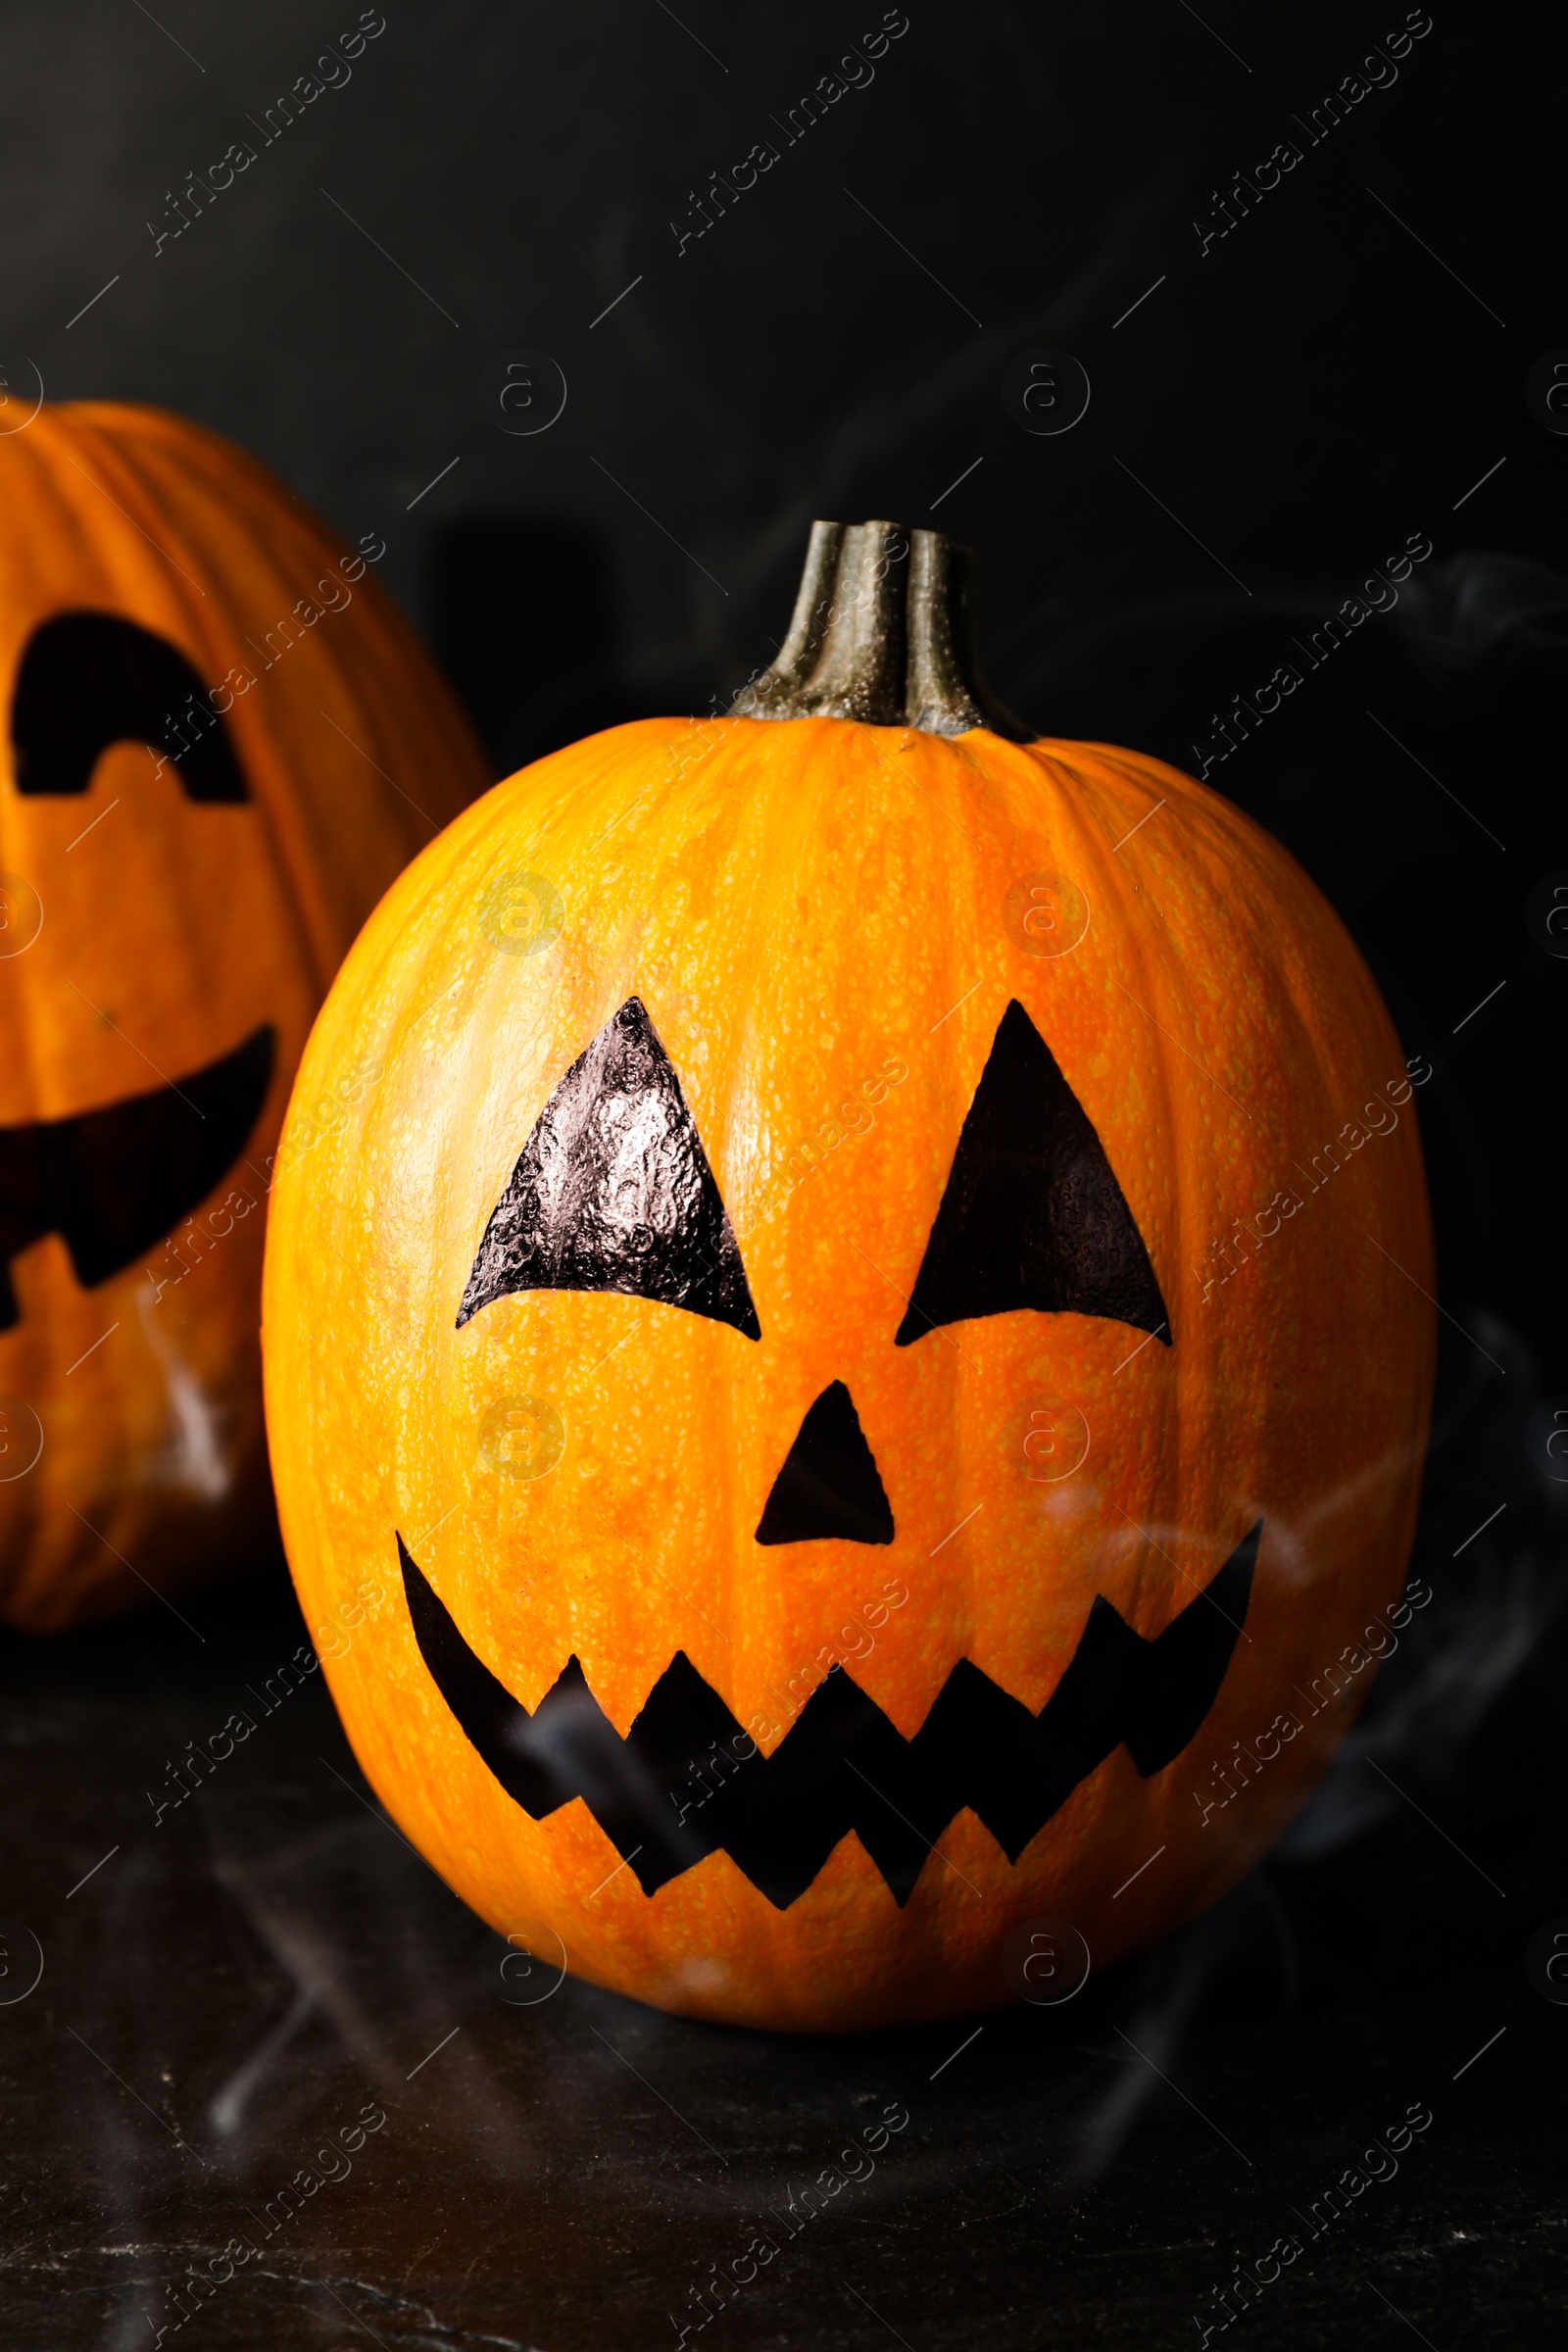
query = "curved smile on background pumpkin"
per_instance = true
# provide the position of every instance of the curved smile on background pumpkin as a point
(842, 1765)
(112, 1181)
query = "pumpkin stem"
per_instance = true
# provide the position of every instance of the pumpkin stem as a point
(883, 631)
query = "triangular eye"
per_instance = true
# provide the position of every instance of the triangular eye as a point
(613, 1192)
(1033, 1215)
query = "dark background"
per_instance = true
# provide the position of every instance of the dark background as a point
(1279, 415)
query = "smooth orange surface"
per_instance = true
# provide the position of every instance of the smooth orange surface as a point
(165, 935)
(801, 906)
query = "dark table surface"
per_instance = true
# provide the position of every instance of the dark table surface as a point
(228, 1997)
(194, 2010)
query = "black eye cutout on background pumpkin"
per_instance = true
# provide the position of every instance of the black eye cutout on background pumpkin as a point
(112, 1181)
(90, 679)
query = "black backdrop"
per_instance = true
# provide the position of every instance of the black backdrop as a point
(1273, 410)
(1289, 406)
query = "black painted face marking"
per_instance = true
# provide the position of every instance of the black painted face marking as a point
(90, 679)
(613, 1192)
(829, 1484)
(779, 1817)
(1033, 1215)
(112, 1181)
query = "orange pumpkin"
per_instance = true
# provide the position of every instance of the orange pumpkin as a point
(842, 1403)
(223, 744)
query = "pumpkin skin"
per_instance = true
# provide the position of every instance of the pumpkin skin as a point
(797, 906)
(172, 926)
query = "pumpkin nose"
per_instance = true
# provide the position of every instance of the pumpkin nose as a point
(829, 1484)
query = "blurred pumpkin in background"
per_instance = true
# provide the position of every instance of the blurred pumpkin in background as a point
(222, 744)
(844, 1396)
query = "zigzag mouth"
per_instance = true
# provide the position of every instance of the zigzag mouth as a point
(112, 1181)
(842, 1765)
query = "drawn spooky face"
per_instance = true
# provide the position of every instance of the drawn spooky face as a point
(115, 1179)
(151, 1032)
(195, 816)
(779, 1511)
(613, 1192)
